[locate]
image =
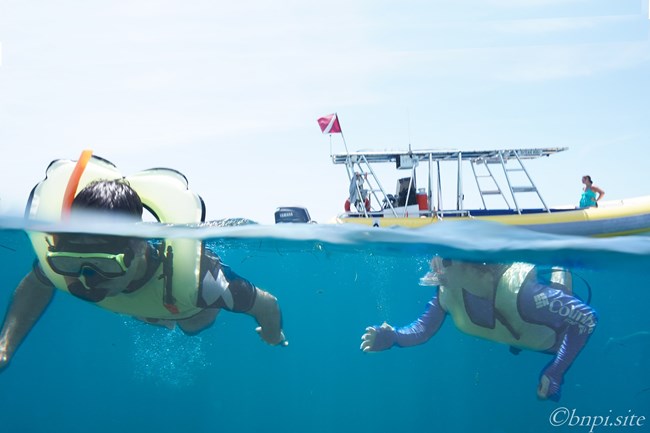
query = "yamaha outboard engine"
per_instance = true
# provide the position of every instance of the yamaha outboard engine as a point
(292, 215)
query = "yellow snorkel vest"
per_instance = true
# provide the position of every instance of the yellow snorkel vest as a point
(509, 328)
(164, 192)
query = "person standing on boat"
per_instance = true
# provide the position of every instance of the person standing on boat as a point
(505, 303)
(170, 282)
(589, 198)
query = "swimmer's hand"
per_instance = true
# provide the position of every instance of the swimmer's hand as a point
(273, 340)
(378, 338)
(4, 357)
(266, 312)
(549, 388)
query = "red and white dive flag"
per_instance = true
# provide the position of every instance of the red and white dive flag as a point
(329, 124)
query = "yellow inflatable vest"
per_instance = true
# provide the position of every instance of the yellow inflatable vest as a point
(164, 192)
(509, 328)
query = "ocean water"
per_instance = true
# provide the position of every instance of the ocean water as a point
(83, 369)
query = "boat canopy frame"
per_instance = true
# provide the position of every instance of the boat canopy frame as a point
(359, 166)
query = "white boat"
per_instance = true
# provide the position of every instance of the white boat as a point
(498, 175)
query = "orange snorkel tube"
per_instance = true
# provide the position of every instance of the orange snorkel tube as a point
(73, 183)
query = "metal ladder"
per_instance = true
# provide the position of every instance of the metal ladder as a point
(483, 192)
(377, 190)
(513, 189)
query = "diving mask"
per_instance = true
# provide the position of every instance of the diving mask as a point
(73, 258)
(75, 264)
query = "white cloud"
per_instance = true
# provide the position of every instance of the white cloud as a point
(527, 63)
(549, 26)
(556, 62)
(533, 3)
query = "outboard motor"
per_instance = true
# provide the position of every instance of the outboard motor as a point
(292, 215)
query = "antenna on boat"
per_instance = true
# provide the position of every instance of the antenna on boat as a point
(408, 126)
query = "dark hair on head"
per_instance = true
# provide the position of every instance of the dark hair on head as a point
(588, 178)
(109, 195)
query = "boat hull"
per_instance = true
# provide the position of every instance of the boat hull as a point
(613, 218)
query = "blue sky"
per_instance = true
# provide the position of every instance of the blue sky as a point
(229, 92)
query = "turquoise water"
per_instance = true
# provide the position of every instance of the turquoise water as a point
(83, 369)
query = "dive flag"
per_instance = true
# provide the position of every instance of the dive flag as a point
(329, 124)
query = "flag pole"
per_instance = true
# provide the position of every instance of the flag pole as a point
(330, 144)
(342, 136)
(349, 166)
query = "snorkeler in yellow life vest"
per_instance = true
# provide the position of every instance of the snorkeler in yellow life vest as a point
(167, 282)
(506, 303)
(166, 194)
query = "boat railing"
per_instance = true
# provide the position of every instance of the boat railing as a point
(395, 213)
(508, 183)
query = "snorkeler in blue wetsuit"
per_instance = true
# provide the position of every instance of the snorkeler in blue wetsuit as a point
(506, 303)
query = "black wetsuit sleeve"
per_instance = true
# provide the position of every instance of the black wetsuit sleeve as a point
(221, 287)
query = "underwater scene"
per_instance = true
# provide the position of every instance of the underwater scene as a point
(84, 369)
